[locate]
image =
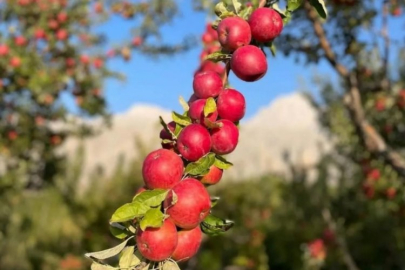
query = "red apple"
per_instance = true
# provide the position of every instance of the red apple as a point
(162, 169)
(266, 24)
(164, 135)
(98, 63)
(53, 24)
(207, 84)
(62, 34)
(157, 244)
(3, 49)
(192, 206)
(213, 176)
(233, 32)
(194, 142)
(20, 41)
(225, 138)
(196, 112)
(62, 17)
(249, 63)
(137, 41)
(70, 62)
(208, 65)
(231, 105)
(15, 61)
(192, 98)
(188, 243)
(391, 192)
(140, 190)
(85, 59)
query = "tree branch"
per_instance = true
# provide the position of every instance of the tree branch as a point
(371, 139)
(340, 240)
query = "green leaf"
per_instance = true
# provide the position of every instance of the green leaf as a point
(129, 211)
(236, 6)
(273, 49)
(280, 11)
(164, 125)
(222, 10)
(214, 226)
(294, 4)
(177, 129)
(98, 266)
(184, 104)
(245, 13)
(181, 119)
(222, 163)
(128, 259)
(201, 166)
(151, 198)
(108, 253)
(210, 106)
(214, 201)
(218, 56)
(170, 265)
(320, 7)
(119, 231)
(209, 124)
(152, 219)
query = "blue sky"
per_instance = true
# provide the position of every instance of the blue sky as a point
(161, 81)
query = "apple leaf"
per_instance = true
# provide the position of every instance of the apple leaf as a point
(294, 4)
(164, 125)
(320, 7)
(218, 56)
(151, 198)
(152, 219)
(181, 119)
(170, 265)
(128, 259)
(201, 166)
(129, 211)
(222, 10)
(119, 231)
(184, 104)
(214, 201)
(108, 253)
(222, 163)
(210, 106)
(177, 130)
(273, 49)
(236, 6)
(214, 226)
(209, 124)
(98, 266)
(246, 12)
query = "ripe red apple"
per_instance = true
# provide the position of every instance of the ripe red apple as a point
(233, 32)
(208, 65)
(249, 63)
(164, 135)
(207, 38)
(62, 34)
(207, 84)
(62, 17)
(20, 41)
(225, 138)
(266, 24)
(137, 41)
(194, 142)
(231, 105)
(98, 63)
(192, 206)
(85, 59)
(15, 61)
(3, 49)
(98, 7)
(70, 62)
(162, 169)
(39, 33)
(53, 24)
(157, 244)
(213, 176)
(188, 243)
(192, 98)
(196, 112)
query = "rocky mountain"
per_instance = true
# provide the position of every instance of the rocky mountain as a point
(288, 125)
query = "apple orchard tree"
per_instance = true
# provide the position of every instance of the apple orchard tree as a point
(167, 217)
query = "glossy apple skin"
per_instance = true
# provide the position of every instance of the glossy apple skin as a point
(249, 63)
(194, 142)
(233, 32)
(231, 105)
(266, 24)
(188, 243)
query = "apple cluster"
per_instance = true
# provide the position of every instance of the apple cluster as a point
(194, 143)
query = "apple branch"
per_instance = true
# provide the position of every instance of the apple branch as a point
(371, 139)
(340, 240)
(385, 83)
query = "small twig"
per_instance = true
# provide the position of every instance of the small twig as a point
(226, 74)
(340, 240)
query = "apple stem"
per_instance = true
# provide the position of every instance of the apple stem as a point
(226, 74)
